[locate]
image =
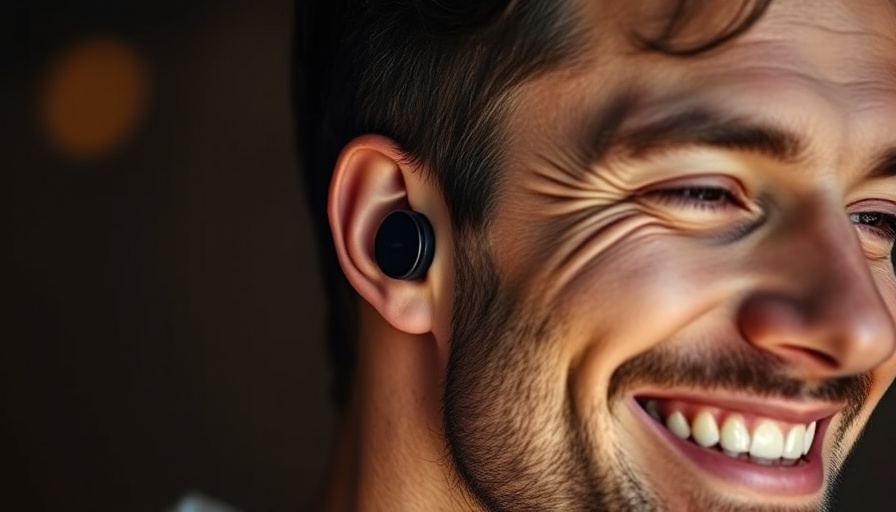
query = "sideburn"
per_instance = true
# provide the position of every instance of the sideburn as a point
(514, 442)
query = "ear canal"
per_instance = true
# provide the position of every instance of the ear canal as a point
(405, 245)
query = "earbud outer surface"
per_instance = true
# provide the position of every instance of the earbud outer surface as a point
(404, 245)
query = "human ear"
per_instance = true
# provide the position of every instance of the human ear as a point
(372, 179)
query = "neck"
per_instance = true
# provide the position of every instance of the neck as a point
(391, 453)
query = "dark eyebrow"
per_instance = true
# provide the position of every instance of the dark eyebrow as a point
(885, 167)
(695, 127)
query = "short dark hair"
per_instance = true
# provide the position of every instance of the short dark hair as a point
(433, 75)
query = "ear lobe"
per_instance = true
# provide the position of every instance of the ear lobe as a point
(369, 182)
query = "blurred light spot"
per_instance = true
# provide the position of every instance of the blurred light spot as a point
(94, 99)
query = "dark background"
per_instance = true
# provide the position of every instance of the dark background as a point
(165, 332)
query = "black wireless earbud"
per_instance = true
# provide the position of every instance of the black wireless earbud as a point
(405, 244)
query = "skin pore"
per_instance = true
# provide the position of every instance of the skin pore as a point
(702, 235)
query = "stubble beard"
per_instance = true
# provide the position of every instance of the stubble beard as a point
(514, 438)
(514, 443)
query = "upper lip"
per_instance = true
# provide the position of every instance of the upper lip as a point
(785, 409)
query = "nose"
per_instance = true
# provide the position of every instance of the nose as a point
(820, 310)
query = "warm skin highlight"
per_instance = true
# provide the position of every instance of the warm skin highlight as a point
(739, 261)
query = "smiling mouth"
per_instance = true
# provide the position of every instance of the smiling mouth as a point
(751, 437)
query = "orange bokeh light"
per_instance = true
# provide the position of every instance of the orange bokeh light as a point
(94, 99)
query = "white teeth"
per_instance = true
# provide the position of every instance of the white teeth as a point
(705, 430)
(766, 445)
(767, 441)
(735, 437)
(810, 436)
(794, 443)
(677, 423)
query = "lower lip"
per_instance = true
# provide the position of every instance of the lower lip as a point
(805, 478)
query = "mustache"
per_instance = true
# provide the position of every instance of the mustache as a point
(738, 371)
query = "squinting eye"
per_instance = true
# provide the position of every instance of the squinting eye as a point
(880, 224)
(697, 197)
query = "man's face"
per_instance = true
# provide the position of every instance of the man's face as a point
(692, 285)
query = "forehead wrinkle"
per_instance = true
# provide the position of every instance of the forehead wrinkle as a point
(836, 116)
(832, 33)
(857, 78)
(882, 13)
(813, 65)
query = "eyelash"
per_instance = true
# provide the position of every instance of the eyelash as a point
(701, 198)
(716, 198)
(872, 221)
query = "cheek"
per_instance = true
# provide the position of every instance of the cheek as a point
(884, 278)
(628, 286)
(881, 379)
(885, 374)
(622, 277)
(642, 294)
